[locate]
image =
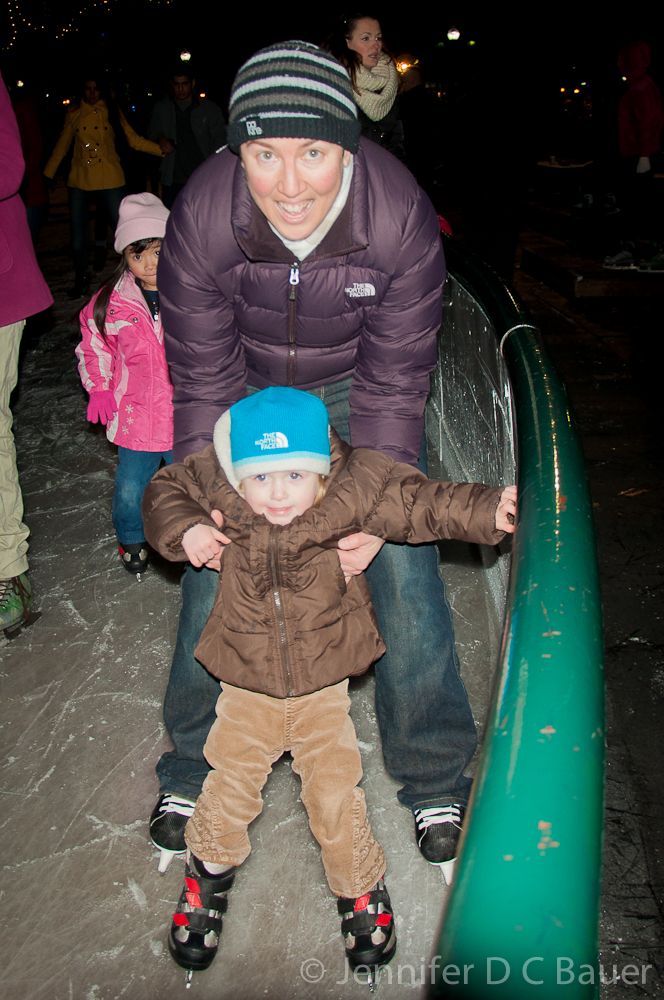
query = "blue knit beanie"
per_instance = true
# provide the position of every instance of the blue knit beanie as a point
(276, 430)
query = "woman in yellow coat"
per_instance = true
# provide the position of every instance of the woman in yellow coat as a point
(96, 173)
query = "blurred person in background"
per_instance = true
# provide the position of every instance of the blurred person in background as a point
(23, 293)
(640, 122)
(95, 125)
(188, 128)
(357, 42)
(33, 189)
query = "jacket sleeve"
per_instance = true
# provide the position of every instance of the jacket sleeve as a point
(203, 346)
(62, 145)
(414, 509)
(137, 142)
(397, 348)
(96, 356)
(176, 500)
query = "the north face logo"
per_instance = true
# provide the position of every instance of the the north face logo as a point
(253, 128)
(361, 290)
(272, 439)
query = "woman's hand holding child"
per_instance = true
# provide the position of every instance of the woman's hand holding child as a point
(203, 545)
(506, 509)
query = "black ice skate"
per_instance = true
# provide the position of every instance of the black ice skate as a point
(134, 558)
(367, 925)
(438, 829)
(167, 822)
(194, 935)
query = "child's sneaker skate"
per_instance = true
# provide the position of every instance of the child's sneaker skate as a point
(367, 925)
(134, 557)
(194, 935)
(15, 604)
(623, 260)
(167, 822)
(653, 264)
(438, 829)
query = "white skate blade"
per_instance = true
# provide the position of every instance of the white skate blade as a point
(447, 868)
(138, 577)
(189, 979)
(165, 858)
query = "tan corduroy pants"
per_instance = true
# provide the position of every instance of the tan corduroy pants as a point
(13, 533)
(251, 732)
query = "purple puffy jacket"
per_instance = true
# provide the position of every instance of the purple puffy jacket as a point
(238, 307)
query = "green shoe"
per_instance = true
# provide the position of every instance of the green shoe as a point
(655, 263)
(15, 601)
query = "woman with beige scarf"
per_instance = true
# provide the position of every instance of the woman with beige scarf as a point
(357, 42)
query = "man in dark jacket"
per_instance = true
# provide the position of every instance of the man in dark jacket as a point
(314, 260)
(188, 128)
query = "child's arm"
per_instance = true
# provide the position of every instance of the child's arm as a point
(204, 545)
(177, 499)
(415, 509)
(95, 366)
(357, 551)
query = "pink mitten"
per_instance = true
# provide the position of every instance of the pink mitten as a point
(101, 407)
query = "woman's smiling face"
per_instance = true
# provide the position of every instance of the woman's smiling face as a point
(293, 181)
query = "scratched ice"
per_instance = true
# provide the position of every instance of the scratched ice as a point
(89, 912)
(80, 876)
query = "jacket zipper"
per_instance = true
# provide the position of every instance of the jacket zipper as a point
(275, 583)
(293, 281)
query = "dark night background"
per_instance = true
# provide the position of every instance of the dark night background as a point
(523, 54)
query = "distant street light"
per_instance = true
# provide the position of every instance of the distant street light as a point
(185, 56)
(453, 34)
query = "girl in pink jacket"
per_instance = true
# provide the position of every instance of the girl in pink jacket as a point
(122, 365)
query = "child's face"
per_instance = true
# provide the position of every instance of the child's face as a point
(281, 496)
(144, 265)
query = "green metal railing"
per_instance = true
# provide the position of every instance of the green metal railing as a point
(522, 913)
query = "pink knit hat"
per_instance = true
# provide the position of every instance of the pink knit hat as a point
(141, 216)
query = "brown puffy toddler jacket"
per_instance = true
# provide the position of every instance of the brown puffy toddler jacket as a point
(284, 622)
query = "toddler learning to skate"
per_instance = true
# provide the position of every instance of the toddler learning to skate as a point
(122, 365)
(285, 634)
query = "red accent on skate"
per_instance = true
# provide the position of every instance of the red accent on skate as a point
(180, 919)
(192, 884)
(362, 902)
(383, 919)
(193, 899)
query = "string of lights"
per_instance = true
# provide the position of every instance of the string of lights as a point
(19, 21)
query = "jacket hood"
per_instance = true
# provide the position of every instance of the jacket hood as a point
(634, 59)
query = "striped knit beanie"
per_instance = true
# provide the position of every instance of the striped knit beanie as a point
(293, 90)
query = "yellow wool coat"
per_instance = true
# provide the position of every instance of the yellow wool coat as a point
(95, 164)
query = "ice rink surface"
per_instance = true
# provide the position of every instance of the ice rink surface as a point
(85, 912)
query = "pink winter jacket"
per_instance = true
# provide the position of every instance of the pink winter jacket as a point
(132, 363)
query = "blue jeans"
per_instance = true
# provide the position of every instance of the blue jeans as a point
(426, 726)
(79, 214)
(135, 470)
